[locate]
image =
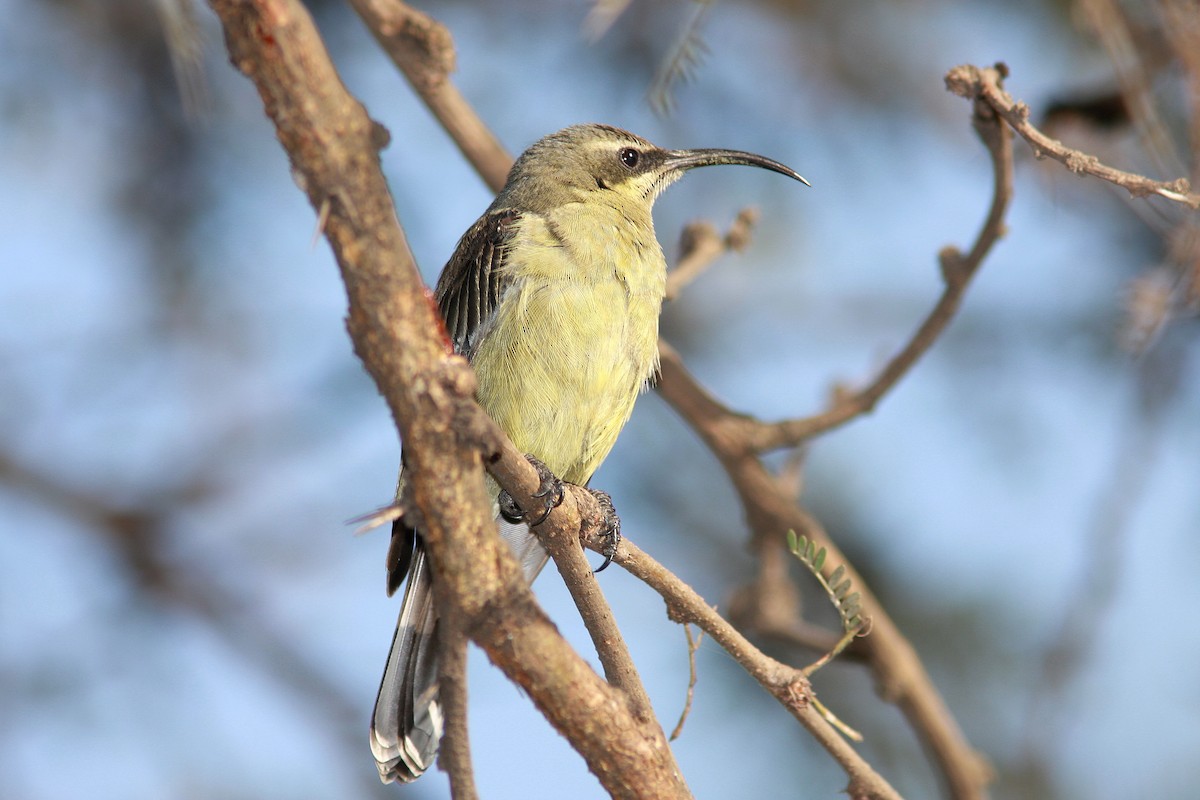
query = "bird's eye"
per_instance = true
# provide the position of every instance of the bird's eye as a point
(629, 157)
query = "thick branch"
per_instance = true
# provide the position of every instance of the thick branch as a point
(333, 147)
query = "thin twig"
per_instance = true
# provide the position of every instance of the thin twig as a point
(975, 83)
(594, 610)
(984, 86)
(423, 50)
(832, 719)
(693, 643)
(957, 271)
(701, 245)
(454, 757)
(785, 683)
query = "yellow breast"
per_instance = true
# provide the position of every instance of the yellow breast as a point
(575, 336)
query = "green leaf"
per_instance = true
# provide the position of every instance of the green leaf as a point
(837, 586)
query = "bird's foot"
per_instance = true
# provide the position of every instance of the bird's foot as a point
(612, 527)
(550, 493)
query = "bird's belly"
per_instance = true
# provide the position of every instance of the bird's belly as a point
(561, 366)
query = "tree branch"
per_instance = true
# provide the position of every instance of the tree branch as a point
(701, 245)
(423, 50)
(786, 684)
(771, 513)
(957, 271)
(984, 87)
(561, 540)
(333, 148)
(984, 84)
(454, 757)
(737, 440)
(559, 534)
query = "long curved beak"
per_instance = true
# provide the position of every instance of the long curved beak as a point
(684, 160)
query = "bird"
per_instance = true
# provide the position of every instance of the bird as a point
(553, 295)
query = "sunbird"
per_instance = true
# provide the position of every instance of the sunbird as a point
(553, 295)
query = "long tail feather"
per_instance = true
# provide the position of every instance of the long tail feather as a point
(407, 725)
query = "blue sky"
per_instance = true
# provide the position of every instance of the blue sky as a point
(203, 378)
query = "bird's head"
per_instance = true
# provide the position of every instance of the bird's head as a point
(586, 163)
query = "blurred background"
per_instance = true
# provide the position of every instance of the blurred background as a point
(184, 430)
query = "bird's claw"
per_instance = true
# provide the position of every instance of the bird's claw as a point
(550, 492)
(612, 527)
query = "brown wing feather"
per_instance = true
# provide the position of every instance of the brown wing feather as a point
(468, 292)
(471, 284)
